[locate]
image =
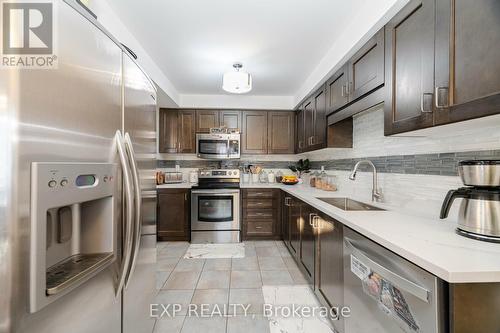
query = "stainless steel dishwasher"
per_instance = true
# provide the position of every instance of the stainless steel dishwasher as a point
(387, 293)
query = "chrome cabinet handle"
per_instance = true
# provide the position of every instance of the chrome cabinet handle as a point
(397, 280)
(287, 201)
(258, 227)
(343, 91)
(300, 144)
(436, 97)
(311, 215)
(316, 220)
(422, 103)
(138, 203)
(129, 214)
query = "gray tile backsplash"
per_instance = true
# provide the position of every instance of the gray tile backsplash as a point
(444, 164)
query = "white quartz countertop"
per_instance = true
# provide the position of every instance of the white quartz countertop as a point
(429, 243)
(176, 185)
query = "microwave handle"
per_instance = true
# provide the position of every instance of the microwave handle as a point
(397, 280)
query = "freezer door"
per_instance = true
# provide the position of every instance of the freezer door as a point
(140, 125)
(68, 114)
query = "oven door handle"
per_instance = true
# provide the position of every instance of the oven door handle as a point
(218, 193)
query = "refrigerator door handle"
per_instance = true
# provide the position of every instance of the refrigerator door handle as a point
(129, 202)
(137, 215)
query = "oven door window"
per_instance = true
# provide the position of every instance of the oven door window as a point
(212, 147)
(215, 208)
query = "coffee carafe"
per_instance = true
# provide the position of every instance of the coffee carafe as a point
(479, 214)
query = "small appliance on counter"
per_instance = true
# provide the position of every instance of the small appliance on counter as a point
(479, 214)
(169, 177)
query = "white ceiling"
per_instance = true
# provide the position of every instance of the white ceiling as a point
(280, 42)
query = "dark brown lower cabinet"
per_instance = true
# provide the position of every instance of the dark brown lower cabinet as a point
(307, 241)
(294, 221)
(261, 214)
(173, 215)
(329, 274)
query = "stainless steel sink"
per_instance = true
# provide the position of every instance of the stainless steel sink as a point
(349, 204)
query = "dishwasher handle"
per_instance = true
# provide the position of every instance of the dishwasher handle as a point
(396, 279)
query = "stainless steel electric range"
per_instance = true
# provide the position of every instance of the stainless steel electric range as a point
(215, 207)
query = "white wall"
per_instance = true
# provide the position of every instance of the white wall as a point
(369, 19)
(237, 102)
(115, 26)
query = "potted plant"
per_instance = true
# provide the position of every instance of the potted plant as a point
(301, 167)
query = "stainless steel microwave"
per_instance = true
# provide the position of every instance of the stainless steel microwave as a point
(218, 146)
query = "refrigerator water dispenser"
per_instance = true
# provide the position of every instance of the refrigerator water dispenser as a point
(72, 226)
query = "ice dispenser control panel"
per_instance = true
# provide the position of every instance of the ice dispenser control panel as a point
(72, 226)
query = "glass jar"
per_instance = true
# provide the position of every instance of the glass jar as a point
(321, 179)
(263, 177)
(279, 176)
(312, 178)
(271, 178)
(330, 184)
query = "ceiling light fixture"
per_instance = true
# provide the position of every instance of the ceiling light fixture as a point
(237, 82)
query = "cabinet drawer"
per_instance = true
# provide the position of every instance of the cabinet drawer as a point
(260, 227)
(259, 213)
(258, 193)
(258, 203)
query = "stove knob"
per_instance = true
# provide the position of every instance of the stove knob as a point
(229, 173)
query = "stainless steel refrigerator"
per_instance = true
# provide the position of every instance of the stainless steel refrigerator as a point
(77, 190)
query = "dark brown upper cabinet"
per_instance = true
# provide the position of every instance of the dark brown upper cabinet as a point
(254, 132)
(186, 133)
(300, 133)
(169, 127)
(308, 122)
(311, 122)
(336, 90)
(177, 131)
(467, 60)
(319, 138)
(281, 132)
(409, 65)
(231, 119)
(206, 119)
(366, 68)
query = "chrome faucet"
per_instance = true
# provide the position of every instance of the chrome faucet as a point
(376, 195)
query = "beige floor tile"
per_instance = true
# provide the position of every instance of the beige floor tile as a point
(182, 280)
(169, 325)
(276, 278)
(189, 265)
(297, 276)
(252, 299)
(245, 264)
(271, 264)
(171, 297)
(204, 325)
(268, 251)
(245, 279)
(166, 264)
(219, 297)
(248, 324)
(290, 263)
(214, 280)
(217, 265)
(264, 243)
(161, 278)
